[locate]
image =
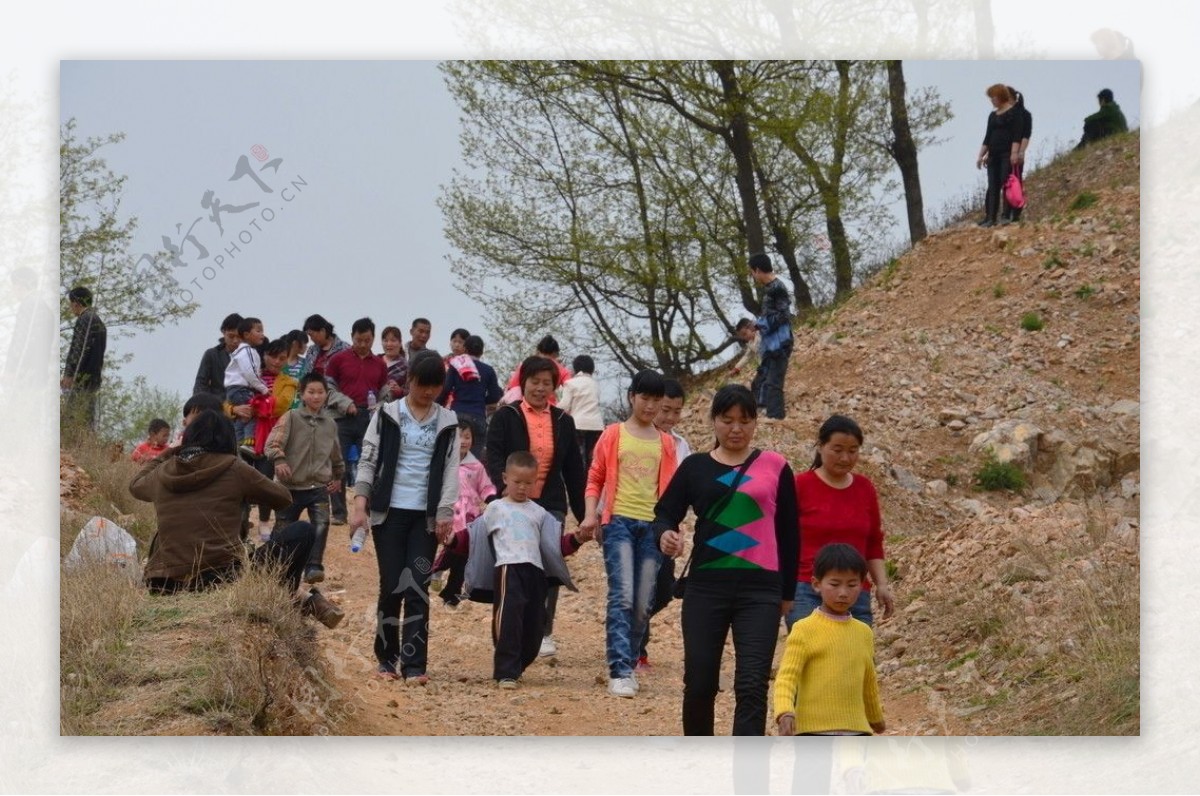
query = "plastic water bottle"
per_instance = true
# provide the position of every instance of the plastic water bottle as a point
(371, 400)
(358, 540)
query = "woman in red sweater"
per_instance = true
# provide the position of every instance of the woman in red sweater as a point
(838, 505)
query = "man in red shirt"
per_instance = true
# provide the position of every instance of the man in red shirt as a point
(360, 375)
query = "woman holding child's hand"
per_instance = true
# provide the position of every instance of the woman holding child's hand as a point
(742, 570)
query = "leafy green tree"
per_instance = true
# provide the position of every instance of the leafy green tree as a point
(95, 239)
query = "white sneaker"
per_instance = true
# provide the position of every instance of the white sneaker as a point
(622, 686)
(636, 685)
(548, 648)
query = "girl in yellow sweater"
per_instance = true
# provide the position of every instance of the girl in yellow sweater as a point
(826, 684)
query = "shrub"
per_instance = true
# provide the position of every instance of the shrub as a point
(1084, 200)
(996, 475)
(1085, 292)
(1032, 322)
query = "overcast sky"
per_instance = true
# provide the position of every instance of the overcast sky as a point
(351, 227)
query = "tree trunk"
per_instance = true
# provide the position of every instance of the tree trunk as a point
(741, 146)
(904, 150)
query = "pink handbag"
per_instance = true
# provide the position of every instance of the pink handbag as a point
(1014, 192)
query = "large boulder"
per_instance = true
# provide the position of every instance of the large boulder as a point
(1010, 441)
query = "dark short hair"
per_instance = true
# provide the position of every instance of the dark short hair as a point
(532, 366)
(296, 336)
(317, 323)
(212, 432)
(309, 378)
(465, 425)
(838, 556)
(547, 345)
(277, 347)
(523, 459)
(744, 323)
(80, 295)
(427, 369)
(1105, 95)
(649, 383)
(394, 331)
(836, 424)
(673, 389)
(202, 401)
(246, 324)
(156, 425)
(231, 322)
(363, 325)
(583, 364)
(731, 396)
(417, 321)
(761, 261)
(474, 345)
(460, 333)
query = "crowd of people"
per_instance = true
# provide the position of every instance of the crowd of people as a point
(428, 450)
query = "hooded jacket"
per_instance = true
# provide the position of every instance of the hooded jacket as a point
(198, 499)
(376, 472)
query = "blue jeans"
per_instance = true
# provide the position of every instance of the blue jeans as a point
(240, 396)
(631, 560)
(808, 600)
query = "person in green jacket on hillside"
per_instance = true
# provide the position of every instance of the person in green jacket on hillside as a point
(1109, 120)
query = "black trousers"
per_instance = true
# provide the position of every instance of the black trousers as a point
(288, 550)
(997, 172)
(768, 382)
(351, 430)
(404, 551)
(587, 443)
(518, 615)
(712, 606)
(662, 596)
(316, 502)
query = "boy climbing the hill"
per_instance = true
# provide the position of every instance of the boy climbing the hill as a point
(774, 337)
(826, 683)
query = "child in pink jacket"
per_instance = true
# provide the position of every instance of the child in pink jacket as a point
(474, 488)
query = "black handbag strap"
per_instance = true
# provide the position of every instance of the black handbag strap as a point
(720, 505)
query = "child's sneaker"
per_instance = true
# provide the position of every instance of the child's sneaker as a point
(452, 602)
(314, 573)
(416, 679)
(320, 608)
(622, 687)
(386, 672)
(508, 684)
(548, 648)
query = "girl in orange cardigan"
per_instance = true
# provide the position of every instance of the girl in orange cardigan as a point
(631, 466)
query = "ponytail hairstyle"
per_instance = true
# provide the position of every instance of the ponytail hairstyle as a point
(836, 424)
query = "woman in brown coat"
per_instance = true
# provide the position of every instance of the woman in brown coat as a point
(198, 490)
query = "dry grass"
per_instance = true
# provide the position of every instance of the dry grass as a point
(109, 472)
(236, 660)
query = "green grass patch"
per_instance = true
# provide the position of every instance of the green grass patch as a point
(1032, 322)
(1084, 200)
(995, 476)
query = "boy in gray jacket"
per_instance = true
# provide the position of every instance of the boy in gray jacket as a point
(513, 551)
(308, 461)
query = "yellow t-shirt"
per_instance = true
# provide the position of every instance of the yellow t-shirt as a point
(638, 461)
(827, 677)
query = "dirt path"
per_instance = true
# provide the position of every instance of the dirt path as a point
(564, 695)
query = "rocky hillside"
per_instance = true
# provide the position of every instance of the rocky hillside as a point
(1018, 344)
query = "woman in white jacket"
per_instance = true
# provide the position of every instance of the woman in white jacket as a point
(581, 400)
(407, 480)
